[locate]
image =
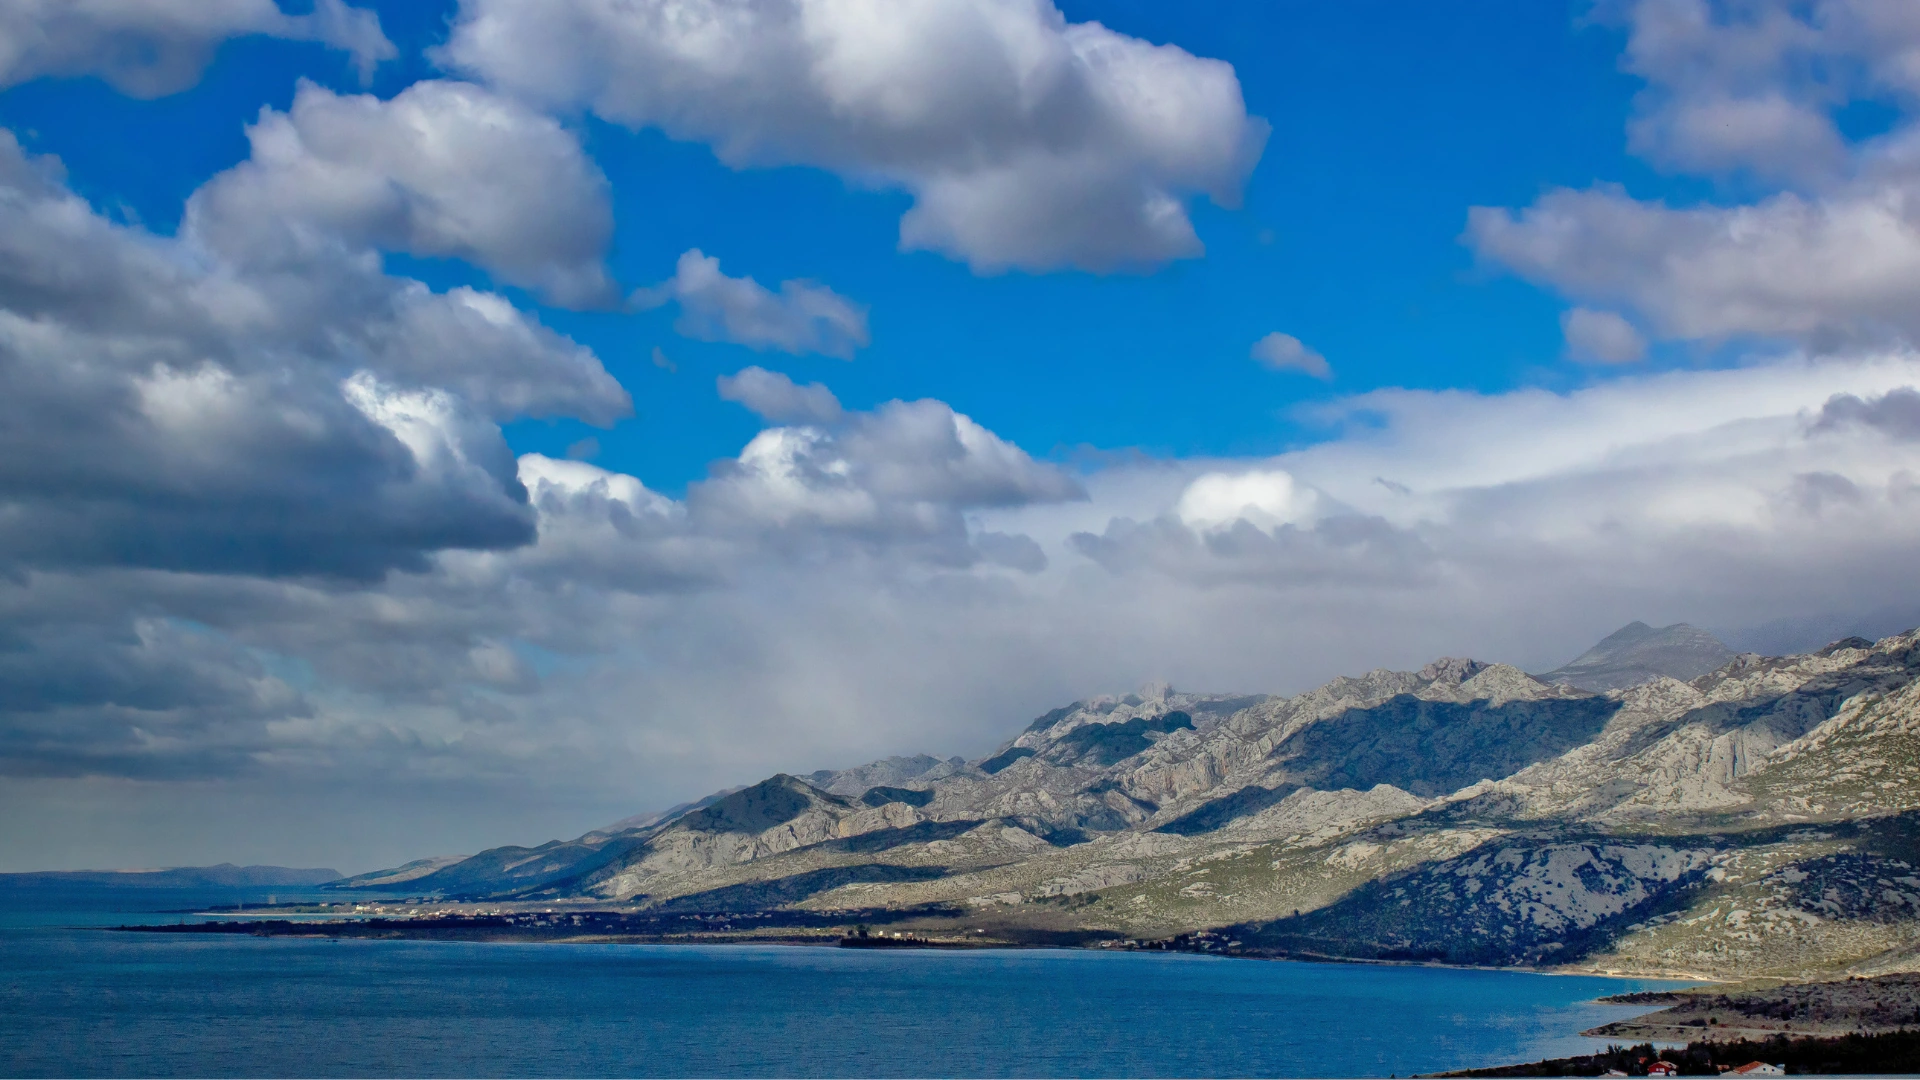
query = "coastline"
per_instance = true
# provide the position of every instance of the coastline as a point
(808, 929)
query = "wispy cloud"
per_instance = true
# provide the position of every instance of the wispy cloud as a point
(803, 317)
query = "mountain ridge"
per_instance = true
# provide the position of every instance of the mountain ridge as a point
(1637, 654)
(1466, 812)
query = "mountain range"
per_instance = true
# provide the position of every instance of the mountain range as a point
(1659, 805)
(223, 876)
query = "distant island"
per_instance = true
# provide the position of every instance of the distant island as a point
(223, 876)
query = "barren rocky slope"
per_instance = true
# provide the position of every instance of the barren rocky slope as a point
(1637, 653)
(1762, 819)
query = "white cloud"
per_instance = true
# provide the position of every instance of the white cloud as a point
(802, 317)
(1262, 498)
(1284, 352)
(1754, 85)
(1824, 271)
(1826, 261)
(1601, 336)
(443, 170)
(1769, 133)
(904, 473)
(1896, 413)
(773, 396)
(170, 410)
(494, 355)
(150, 48)
(1027, 141)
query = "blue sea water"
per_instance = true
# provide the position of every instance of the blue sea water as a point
(77, 999)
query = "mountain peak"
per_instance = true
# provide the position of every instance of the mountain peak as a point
(1634, 631)
(771, 802)
(1637, 653)
(1452, 670)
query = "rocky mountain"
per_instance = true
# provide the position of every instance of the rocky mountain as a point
(1762, 818)
(886, 772)
(1637, 654)
(399, 875)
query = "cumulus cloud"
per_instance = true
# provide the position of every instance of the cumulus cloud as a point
(1263, 498)
(442, 170)
(1016, 551)
(1827, 260)
(773, 396)
(1284, 352)
(603, 529)
(169, 409)
(1754, 85)
(905, 473)
(497, 357)
(1601, 336)
(150, 48)
(203, 470)
(1895, 413)
(803, 317)
(1825, 271)
(1027, 141)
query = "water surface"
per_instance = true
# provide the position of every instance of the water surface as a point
(80, 1000)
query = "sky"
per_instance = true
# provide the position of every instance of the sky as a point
(430, 426)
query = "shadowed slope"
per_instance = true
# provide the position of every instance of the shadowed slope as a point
(1637, 653)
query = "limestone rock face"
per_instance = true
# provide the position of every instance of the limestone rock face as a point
(1516, 902)
(1759, 818)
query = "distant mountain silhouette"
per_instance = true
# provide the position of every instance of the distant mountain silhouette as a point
(1637, 653)
(225, 875)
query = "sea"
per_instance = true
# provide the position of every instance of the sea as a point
(78, 998)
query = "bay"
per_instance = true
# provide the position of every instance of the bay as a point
(79, 999)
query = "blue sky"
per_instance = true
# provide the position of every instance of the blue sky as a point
(1388, 122)
(504, 417)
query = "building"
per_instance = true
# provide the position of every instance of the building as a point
(1662, 1068)
(1757, 1068)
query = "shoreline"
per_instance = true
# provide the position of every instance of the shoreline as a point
(481, 929)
